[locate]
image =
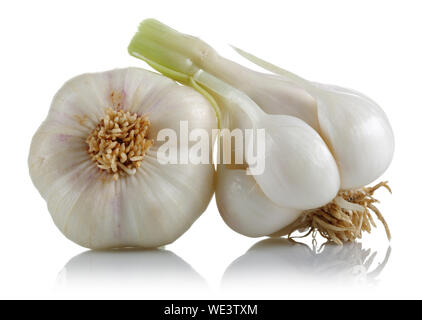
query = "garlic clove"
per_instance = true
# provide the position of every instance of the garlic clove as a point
(300, 172)
(365, 150)
(245, 208)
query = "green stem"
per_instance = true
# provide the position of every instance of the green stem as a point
(182, 58)
(181, 52)
(157, 45)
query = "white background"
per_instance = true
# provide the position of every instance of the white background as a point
(371, 46)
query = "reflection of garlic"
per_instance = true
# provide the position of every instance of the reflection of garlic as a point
(273, 263)
(323, 144)
(156, 271)
(94, 160)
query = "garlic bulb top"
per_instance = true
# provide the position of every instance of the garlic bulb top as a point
(94, 159)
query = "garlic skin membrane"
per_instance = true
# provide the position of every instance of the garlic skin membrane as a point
(151, 208)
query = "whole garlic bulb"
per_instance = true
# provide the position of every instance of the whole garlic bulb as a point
(103, 183)
(324, 144)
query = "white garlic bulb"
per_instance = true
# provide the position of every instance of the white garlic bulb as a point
(324, 144)
(94, 160)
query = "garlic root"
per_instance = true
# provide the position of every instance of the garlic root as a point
(342, 220)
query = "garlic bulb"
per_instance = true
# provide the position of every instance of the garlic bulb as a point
(94, 160)
(324, 144)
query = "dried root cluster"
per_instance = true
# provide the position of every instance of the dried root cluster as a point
(345, 218)
(119, 142)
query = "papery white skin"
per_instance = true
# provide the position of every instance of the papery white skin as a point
(245, 208)
(149, 209)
